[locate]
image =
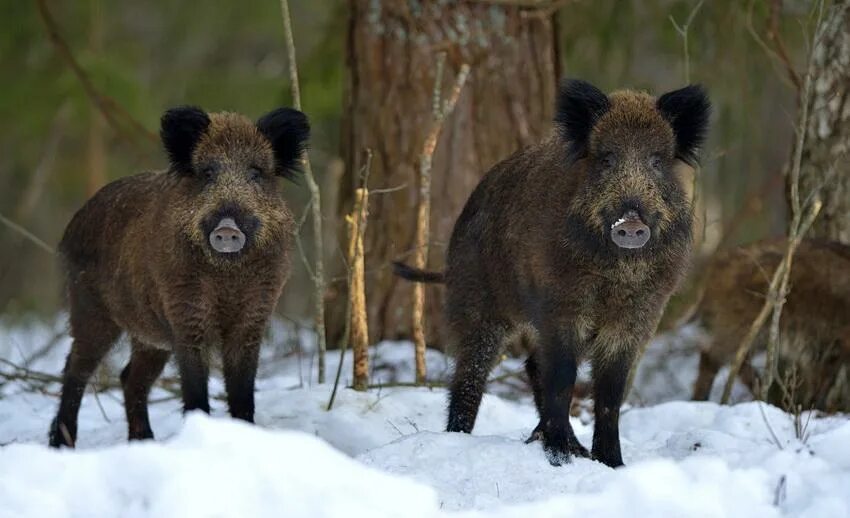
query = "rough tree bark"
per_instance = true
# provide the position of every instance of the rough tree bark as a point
(506, 104)
(825, 153)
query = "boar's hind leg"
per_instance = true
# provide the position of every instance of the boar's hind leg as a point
(534, 381)
(705, 378)
(94, 334)
(609, 383)
(145, 366)
(475, 355)
(240, 372)
(557, 362)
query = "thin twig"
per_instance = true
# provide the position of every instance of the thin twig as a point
(315, 197)
(774, 35)
(683, 32)
(768, 425)
(27, 234)
(388, 189)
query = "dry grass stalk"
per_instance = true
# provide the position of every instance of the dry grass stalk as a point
(441, 109)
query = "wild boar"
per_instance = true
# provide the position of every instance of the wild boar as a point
(185, 260)
(576, 242)
(814, 330)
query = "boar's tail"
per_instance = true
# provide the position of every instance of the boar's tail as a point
(417, 275)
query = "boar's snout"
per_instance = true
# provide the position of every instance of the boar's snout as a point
(630, 231)
(226, 237)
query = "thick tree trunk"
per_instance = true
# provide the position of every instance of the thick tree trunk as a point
(506, 104)
(826, 153)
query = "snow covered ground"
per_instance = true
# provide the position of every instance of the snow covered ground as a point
(383, 452)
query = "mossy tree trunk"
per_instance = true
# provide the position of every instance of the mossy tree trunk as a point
(507, 103)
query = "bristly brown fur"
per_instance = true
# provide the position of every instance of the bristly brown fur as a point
(138, 260)
(532, 251)
(815, 324)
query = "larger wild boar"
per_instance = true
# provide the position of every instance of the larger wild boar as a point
(577, 242)
(185, 260)
(814, 328)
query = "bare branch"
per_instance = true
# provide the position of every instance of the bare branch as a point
(27, 234)
(315, 198)
(440, 110)
(107, 106)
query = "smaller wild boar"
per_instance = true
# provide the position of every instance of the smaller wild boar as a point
(814, 329)
(185, 260)
(575, 244)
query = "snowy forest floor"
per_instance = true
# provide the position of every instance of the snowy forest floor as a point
(383, 452)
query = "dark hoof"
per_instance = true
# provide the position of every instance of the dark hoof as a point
(563, 453)
(560, 446)
(141, 435)
(612, 461)
(60, 436)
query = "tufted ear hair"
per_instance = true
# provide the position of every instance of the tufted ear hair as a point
(688, 111)
(580, 105)
(180, 130)
(288, 131)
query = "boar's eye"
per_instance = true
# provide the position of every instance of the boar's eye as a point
(208, 172)
(608, 161)
(254, 173)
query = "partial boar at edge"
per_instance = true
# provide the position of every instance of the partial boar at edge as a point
(814, 346)
(576, 243)
(184, 261)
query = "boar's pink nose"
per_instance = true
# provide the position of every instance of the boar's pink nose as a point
(226, 238)
(629, 231)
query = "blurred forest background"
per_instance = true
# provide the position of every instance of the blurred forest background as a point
(56, 148)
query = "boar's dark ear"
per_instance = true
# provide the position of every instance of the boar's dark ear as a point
(687, 110)
(580, 104)
(288, 131)
(180, 130)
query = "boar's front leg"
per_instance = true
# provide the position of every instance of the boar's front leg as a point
(194, 376)
(610, 373)
(557, 363)
(240, 358)
(189, 317)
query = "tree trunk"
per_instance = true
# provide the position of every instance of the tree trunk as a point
(825, 152)
(506, 104)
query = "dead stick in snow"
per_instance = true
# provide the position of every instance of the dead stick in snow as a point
(357, 291)
(364, 182)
